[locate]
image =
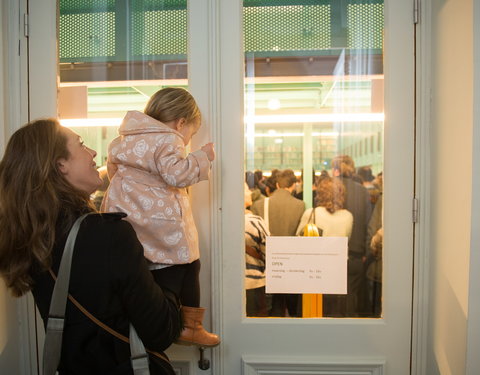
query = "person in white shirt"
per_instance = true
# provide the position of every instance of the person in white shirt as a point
(332, 220)
(330, 216)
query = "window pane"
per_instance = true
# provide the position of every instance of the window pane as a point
(114, 54)
(314, 105)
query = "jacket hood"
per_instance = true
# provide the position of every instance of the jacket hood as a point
(136, 122)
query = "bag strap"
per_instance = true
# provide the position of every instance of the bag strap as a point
(56, 317)
(138, 354)
(105, 327)
(312, 216)
(56, 314)
(250, 250)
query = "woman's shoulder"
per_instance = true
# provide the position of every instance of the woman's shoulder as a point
(254, 223)
(105, 217)
(107, 233)
(108, 223)
(251, 217)
(344, 213)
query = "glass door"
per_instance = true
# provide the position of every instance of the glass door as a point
(328, 94)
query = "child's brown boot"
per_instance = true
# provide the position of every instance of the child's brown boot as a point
(193, 332)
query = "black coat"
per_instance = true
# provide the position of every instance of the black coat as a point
(110, 278)
(357, 201)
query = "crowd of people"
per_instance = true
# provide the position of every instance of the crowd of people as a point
(347, 202)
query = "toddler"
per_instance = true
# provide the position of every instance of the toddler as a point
(148, 172)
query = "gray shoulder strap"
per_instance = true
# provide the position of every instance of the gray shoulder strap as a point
(56, 316)
(138, 353)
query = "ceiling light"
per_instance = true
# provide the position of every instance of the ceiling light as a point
(274, 104)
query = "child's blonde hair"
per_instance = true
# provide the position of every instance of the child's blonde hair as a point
(173, 103)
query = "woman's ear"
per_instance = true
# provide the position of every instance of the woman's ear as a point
(62, 165)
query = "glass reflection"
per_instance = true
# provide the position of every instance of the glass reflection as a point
(314, 139)
(114, 54)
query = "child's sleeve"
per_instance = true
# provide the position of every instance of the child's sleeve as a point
(179, 170)
(111, 169)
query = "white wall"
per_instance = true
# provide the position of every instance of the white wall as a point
(473, 334)
(9, 330)
(9, 333)
(451, 183)
(16, 357)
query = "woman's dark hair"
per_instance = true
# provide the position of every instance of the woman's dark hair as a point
(33, 192)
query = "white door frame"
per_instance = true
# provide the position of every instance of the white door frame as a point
(229, 66)
(232, 108)
(421, 274)
(473, 338)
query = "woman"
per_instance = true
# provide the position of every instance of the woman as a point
(330, 216)
(334, 221)
(46, 177)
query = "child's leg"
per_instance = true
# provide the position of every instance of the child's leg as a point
(190, 291)
(171, 278)
(193, 332)
(181, 279)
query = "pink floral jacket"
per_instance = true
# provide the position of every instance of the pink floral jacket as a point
(149, 171)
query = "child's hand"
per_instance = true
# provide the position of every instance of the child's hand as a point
(209, 150)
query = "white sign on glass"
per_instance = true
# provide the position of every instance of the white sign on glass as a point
(306, 265)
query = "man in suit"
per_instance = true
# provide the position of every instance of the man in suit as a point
(284, 214)
(357, 201)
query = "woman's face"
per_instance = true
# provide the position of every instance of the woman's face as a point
(79, 169)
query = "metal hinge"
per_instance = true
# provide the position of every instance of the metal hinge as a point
(25, 25)
(416, 11)
(415, 210)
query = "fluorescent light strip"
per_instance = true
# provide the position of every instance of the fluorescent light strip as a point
(279, 135)
(90, 122)
(316, 118)
(260, 119)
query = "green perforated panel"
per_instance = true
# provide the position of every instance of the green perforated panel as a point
(158, 4)
(87, 35)
(86, 6)
(160, 32)
(365, 25)
(287, 28)
(159, 27)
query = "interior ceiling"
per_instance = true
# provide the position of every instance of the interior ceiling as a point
(289, 96)
(301, 56)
